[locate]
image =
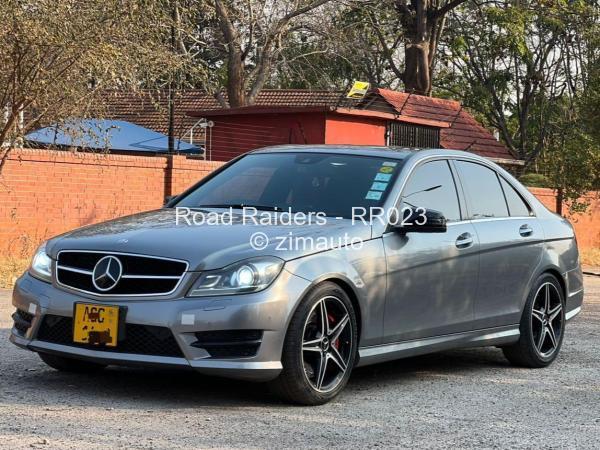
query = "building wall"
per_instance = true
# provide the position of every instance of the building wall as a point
(44, 193)
(233, 135)
(587, 225)
(354, 130)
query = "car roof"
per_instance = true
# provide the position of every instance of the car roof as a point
(367, 150)
(362, 150)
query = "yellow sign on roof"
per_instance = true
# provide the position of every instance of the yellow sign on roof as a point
(358, 90)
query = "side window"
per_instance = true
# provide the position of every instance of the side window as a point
(516, 205)
(431, 186)
(483, 190)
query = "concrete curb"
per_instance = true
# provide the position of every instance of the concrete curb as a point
(591, 270)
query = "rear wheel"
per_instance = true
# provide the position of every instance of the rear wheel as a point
(320, 347)
(542, 325)
(70, 365)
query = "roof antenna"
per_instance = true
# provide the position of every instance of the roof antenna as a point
(471, 144)
(454, 121)
(405, 103)
(343, 95)
(456, 116)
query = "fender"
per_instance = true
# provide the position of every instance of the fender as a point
(366, 280)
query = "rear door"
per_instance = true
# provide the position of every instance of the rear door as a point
(510, 240)
(432, 277)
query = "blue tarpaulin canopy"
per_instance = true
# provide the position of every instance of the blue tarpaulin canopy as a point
(112, 135)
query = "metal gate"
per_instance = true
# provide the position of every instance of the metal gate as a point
(401, 134)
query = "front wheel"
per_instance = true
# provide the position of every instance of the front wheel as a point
(542, 325)
(320, 347)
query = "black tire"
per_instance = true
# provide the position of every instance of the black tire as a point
(70, 365)
(535, 326)
(298, 379)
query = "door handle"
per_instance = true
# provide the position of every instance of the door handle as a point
(525, 230)
(465, 240)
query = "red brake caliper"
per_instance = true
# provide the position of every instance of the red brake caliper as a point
(331, 320)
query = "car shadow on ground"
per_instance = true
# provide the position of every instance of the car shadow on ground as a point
(120, 387)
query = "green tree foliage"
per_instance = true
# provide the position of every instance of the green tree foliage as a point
(56, 55)
(570, 159)
(245, 40)
(530, 70)
(506, 59)
(357, 42)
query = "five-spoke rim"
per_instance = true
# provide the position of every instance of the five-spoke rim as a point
(327, 344)
(547, 319)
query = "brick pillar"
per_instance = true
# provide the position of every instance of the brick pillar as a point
(168, 179)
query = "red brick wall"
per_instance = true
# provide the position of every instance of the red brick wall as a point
(587, 225)
(187, 171)
(44, 193)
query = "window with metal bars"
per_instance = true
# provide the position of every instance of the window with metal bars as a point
(401, 134)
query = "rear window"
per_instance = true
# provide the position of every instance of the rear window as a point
(516, 205)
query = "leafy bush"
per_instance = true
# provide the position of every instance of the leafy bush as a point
(534, 180)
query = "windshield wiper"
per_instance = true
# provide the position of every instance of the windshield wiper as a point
(242, 206)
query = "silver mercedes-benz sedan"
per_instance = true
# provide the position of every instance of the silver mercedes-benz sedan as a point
(295, 264)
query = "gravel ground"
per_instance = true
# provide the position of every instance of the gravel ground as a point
(465, 398)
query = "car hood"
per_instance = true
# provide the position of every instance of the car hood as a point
(207, 246)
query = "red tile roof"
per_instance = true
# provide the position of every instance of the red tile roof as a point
(464, 132)
(458, 128)
(148, 108)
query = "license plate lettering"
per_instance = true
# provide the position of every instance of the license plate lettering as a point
(96, 324)
(93, 314)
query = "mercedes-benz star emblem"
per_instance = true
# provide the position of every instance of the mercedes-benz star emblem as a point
(107, 273)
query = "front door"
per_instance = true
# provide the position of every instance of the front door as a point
(432, 277)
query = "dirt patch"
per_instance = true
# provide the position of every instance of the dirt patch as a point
(590, 256)
(10, 270)
(468, 399)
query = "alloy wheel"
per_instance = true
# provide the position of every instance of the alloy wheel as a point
(547, 319)
(327, 344)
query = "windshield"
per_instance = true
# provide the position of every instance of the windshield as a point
(300, 182)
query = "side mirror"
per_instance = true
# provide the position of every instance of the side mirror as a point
(421, 220)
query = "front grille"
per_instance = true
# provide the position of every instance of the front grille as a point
(141, 275)
(138, 339)
(22, 321)
(229, 343)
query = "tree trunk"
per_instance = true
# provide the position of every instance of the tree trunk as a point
(416, 74)
(236, 86)
(421, 32)
(559, 201)
(422, 25)
(236, 81)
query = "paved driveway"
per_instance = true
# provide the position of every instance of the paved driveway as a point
(466, 398)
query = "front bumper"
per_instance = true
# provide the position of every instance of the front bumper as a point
(268, 311)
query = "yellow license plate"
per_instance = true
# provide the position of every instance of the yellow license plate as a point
(96, 324)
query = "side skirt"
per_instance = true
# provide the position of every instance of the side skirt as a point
(476, 338)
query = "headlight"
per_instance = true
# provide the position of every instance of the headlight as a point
(251, 275)
(41, 264)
